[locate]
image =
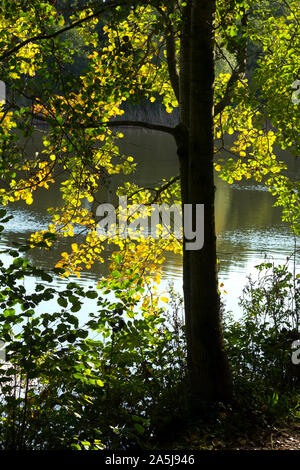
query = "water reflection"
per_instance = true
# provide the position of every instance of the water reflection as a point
(248, 226)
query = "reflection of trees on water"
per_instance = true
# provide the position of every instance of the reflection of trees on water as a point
(248, 225)
(246, 222)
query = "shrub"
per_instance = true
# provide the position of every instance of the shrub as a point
(259, 343)
(114, 382)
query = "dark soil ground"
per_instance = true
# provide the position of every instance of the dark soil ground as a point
(277, 438)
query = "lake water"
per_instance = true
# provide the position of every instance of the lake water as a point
(248, 226)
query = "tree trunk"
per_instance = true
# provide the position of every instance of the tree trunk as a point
(209, 372)
(183, 146)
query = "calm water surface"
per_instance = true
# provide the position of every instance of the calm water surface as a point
(248, 226)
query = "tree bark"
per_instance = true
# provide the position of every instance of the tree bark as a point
(182, 139)
(209, 372)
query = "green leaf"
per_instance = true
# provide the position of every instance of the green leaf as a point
(62, 302)
(116, 274)
(91, 294)
(139, 428)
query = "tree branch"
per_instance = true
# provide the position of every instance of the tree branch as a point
(171, 58)
(157, 191)
(145, 125)
(225, 101)
(236, 75)
(108, 5)
(171, 53)
(119, 123)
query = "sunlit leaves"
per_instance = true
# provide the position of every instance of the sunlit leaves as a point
(278, 68)
(126, 62)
